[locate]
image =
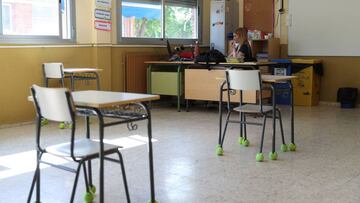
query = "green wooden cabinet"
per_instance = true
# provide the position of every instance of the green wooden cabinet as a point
(165, 83)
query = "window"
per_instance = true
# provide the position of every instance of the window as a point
(148, 20)
(36, 20)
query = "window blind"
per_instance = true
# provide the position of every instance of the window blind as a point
(181, 3)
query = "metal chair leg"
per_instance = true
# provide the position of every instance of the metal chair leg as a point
(283, 147)
(243, 139)
(32, 186)
(220, 122)
(75, 182)
(263, 134)
(36, 180)
(260, 155)
(38, 185)
(225, 128)
(241, 127)
(245, 133)
(87, 186)
(124, 177)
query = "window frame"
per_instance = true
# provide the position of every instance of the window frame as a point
(42, 39)
(157, 41)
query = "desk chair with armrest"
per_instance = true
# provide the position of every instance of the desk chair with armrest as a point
(243, 80)
(56, 104)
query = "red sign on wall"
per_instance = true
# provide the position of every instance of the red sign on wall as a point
(102, 25)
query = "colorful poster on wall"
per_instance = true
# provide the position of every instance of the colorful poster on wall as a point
(102, 14)
(102, 25)
(106, 4)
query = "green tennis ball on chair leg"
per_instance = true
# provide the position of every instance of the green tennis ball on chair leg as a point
(44, 122)
(273, 155)
(93, 189)
(88, 197)
(292, 147)
(241, 139)
(259, 157)
(284, 148)
(69, 125)
(245, 143)
(219, 150)
(62, 125)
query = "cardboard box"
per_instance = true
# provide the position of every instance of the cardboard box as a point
(307, 84)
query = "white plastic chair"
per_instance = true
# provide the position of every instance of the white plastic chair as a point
(53, 71)
(56, 104)
(243, 80)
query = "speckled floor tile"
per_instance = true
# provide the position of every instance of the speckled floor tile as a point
(325, 167)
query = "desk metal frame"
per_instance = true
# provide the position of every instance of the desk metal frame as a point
(122, 118)
(82, 74)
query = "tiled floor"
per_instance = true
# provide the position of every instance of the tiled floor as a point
(325, 168)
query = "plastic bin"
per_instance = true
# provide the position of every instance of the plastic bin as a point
(347, 97)
(282, 94)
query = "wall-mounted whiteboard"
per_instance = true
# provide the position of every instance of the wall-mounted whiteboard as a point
(324, 27)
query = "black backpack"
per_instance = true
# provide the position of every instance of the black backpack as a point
(211, 56)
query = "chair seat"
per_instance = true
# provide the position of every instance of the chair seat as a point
(253, 108)
(82, 148)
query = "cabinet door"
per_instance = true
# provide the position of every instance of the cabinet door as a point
(164, 83)
(205, 85)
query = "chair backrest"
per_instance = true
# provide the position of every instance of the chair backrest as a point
(53, 103)
(244, 79)
(53, 70)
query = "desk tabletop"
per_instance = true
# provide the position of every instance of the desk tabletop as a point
(104, 99)
(270, 78)
(201, 63)
(276, 78)
(81, 70)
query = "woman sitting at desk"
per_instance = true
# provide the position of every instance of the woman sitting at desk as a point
(240, 46)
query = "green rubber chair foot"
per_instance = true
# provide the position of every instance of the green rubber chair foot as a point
(153, 201)
(70, 125)
(284, 148)
(292, 147)
(92, 189)
(62, 125)
(241, 139)
(44, 122)
(219, 150)
(245, 143)
(259, 157)
(88, 197)
(273, 155)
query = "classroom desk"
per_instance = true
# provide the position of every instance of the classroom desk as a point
(176, 87)
(115, 105)
(271, 79)
(105, 104)
(111, 104)
(82, 74)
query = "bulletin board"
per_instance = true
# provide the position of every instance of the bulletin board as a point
(258, 15)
